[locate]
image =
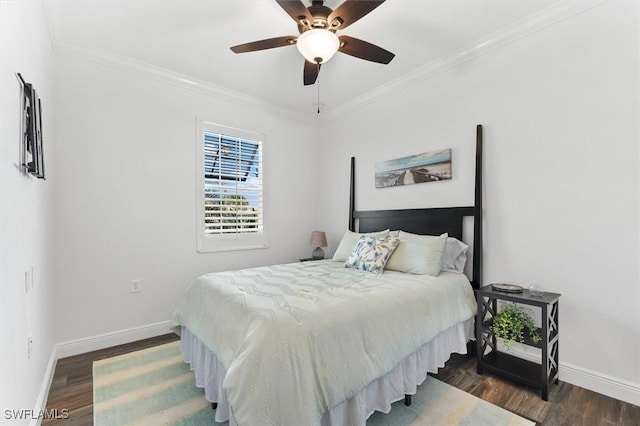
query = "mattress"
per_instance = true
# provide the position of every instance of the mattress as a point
(289, 343)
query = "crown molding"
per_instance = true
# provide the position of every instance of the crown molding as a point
(153, 72)
(529, 25)
(164, 75)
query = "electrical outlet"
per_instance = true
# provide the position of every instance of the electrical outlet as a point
(29, 346)
(135, 286)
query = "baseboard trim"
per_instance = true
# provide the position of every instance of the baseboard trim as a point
(107, 340)
(89, 344)
(613, 387)
(41, 402)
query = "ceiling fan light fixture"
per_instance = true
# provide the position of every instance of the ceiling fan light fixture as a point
(318, 45)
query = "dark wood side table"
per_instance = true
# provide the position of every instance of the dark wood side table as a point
(518, 369)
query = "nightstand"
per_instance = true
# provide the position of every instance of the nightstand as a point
(309, 259)
(512, 367)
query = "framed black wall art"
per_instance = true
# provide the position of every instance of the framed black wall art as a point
(32, 156)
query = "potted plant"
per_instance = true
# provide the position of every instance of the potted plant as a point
(511, 323)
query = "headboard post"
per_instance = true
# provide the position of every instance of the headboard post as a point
(352, 196)
(477, 215)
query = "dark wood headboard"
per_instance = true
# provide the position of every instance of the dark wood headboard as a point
(430, 221)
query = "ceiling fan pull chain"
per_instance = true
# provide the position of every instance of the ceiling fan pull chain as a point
(318, 64)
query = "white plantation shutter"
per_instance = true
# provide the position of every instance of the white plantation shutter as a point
(231, 199)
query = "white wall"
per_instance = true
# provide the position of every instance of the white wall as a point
(560, 110)
(25, 213)
(126, 195)
(561, 116)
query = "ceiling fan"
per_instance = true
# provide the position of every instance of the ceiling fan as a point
(318, 42)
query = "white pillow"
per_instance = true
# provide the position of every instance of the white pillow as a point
(348, 242)
(421, 256)
(455, 256)
(371, 253)
(455, 252)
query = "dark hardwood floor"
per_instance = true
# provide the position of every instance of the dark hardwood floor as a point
(567, 405)
(72, 389)
(72, 384)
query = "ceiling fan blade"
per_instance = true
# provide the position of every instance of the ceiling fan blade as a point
(352, 10)
(295, 9)
(269, 43)
(364, 50)
(310, 73)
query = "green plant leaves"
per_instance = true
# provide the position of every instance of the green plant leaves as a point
(510, 324)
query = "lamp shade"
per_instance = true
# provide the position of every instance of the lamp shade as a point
(318, 45)
(318, 239)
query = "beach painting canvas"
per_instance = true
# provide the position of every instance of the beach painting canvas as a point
(428, 167)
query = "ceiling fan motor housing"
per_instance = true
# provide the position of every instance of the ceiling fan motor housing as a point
(319, 13)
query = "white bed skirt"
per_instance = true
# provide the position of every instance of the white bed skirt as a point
(376, 396)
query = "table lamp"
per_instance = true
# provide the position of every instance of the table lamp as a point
(318, 239)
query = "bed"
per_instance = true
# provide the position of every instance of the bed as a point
(315, 343)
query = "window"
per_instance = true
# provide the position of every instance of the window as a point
(230, 189)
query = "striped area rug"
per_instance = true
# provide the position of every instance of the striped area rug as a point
(148, 387)
(155, 387)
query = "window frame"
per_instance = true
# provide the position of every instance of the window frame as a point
(207, 243)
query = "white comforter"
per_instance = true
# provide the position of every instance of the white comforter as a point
(299, 338)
